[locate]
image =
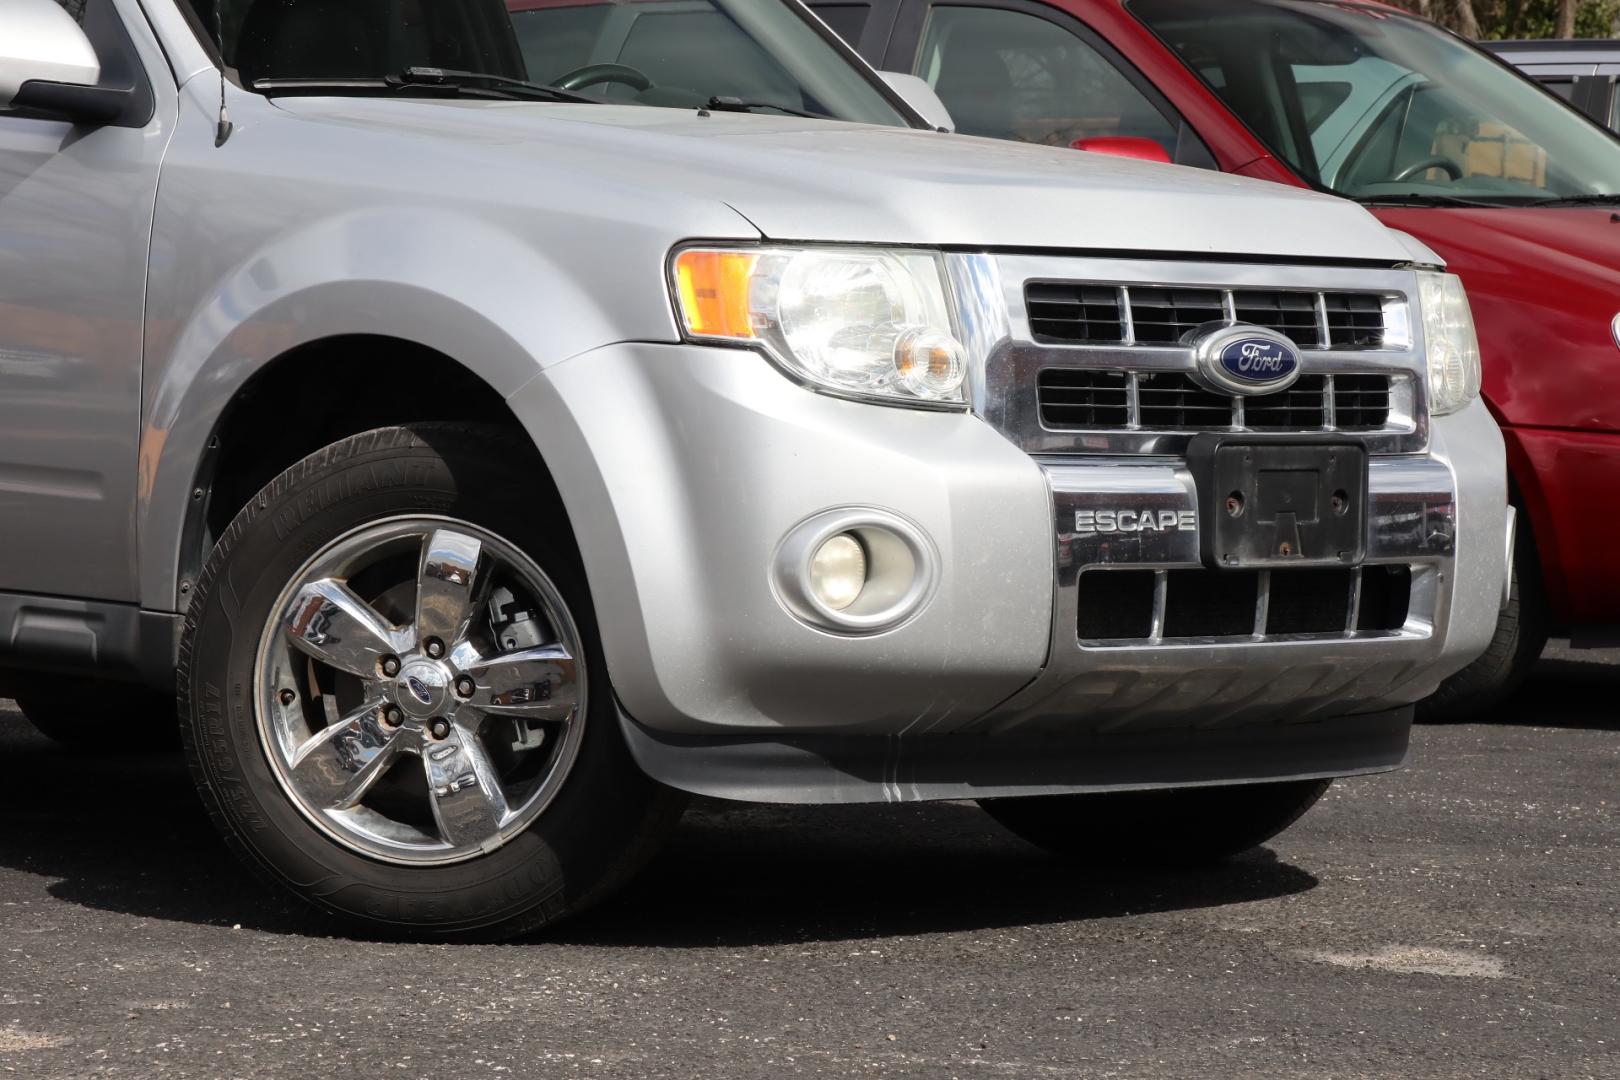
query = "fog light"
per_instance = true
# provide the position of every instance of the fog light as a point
(855, 570)
(838, 571)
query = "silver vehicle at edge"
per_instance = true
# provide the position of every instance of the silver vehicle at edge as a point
(498, 419)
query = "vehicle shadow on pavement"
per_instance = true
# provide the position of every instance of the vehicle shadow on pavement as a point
(128, 836)
(739, 875)
(1568, 689)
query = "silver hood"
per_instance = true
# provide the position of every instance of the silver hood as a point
(798, 179)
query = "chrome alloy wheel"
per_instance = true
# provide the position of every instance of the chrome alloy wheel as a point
(421, 690)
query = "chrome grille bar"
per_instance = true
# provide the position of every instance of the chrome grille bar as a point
(1262, 604)
(1062, 330)
(1037, 325)
(1135, 419)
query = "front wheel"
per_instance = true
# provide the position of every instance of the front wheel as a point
(395, 700)
(1521, 635)
(1180, 827)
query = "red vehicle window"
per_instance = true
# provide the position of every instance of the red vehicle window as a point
(1372, 104)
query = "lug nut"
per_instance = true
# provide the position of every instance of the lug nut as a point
(465, 687)
(435, 648)
(392, 716)
(287, 697)
(390, 666)
(440, 728)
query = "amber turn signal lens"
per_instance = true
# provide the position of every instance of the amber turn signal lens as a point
(713, 288)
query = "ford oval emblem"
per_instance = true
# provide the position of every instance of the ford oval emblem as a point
(1258, 360)
(1247, 360)
(419, 690)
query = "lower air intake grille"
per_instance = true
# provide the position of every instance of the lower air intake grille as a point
(1118, 604)
(1122, 606)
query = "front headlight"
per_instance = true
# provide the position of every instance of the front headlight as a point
(857, 322)
(1453, 347)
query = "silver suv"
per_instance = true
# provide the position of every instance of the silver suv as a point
(496, 419)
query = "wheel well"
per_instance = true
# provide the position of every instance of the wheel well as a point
(319, 393)
(1535, 529)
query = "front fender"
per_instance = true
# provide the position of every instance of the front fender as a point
(453, 283)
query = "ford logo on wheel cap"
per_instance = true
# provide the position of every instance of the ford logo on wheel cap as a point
(419, 690)
(1246, 360)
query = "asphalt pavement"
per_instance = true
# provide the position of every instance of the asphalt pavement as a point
(1460, 918)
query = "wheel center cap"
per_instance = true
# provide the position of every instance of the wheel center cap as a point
(422, 689)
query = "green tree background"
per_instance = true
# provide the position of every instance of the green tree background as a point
(1498, 19)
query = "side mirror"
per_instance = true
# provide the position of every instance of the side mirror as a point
(48, 65)
(921, 97)
(1125, 146)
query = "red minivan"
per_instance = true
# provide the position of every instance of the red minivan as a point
(1516, 190)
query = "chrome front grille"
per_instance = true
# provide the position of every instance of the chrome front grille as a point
(1097, 356)
(1088, 399)
(1082, 313)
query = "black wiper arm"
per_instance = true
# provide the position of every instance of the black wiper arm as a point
(432, 76)
(733, 104)
(1416, 199)
(428, 78)
(1578, 200)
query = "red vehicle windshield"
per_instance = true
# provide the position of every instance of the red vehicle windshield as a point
(1373, 104)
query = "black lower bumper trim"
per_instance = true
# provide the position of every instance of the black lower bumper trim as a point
(877, 768)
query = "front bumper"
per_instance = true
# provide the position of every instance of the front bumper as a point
(1568, 480)
(683, 467)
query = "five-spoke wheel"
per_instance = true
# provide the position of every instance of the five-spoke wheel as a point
(420, 690)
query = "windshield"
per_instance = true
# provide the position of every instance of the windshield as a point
(1376, 105)
(671, 53)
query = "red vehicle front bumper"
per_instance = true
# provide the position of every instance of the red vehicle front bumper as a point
(1570, 485)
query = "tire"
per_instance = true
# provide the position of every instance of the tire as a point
(1521, 635)
(73, 713)
(428, 851)
(1181, 827)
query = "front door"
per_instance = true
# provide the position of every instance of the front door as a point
(75, 224)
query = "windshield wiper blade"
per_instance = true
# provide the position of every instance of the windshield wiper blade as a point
(734, 104)
(449, 77)
(1416, 199)
(1577, 200)
(427, 78)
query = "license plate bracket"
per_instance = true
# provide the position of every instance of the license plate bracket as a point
(1288, 501)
